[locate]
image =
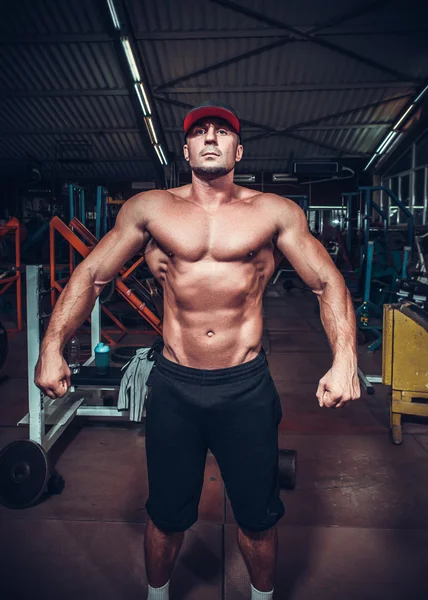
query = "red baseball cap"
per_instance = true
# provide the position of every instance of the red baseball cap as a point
(213, 109)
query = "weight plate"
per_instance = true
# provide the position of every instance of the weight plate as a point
(121, 354)
(4, 345)
(24, 474)
(287, 469)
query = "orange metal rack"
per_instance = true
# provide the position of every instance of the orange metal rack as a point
(13, 227)
(76, 244)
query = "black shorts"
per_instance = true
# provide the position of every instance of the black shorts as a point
(234, 412)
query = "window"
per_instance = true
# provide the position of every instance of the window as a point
(405, 189)
(393, 208)
(420, 200)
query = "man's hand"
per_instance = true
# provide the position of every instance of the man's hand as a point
(338, 386)
(52, 374)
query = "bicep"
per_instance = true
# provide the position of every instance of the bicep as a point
(305, 253)
(127, 237)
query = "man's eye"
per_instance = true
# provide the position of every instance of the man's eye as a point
(198, 131)
(223, 131)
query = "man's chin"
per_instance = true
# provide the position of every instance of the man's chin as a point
(212, 172)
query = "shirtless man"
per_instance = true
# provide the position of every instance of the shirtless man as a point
(211, 246)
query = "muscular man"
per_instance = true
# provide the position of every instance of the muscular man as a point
(211, 246)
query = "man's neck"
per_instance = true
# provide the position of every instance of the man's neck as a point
(212, 193)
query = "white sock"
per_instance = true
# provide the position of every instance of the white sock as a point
(161, 593)
(256, 595)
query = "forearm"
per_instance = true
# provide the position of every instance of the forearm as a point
(72, 308)
(338, 319)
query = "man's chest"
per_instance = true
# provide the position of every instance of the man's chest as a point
(230, 233)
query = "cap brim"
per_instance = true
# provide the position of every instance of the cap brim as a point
(211, 111)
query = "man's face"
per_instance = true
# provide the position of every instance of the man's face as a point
(212, 148)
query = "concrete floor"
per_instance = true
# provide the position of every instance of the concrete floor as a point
(355, 526)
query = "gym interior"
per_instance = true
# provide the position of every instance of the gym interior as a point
(333, 101)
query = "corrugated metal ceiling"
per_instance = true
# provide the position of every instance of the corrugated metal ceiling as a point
(62, 78)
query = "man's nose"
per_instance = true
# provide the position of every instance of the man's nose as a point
(211, 137)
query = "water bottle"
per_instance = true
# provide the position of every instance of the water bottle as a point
(73, 355)
(102, 358)
(364, 315)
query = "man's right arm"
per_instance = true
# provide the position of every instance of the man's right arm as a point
(77, 300)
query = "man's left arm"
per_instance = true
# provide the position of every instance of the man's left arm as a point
(314, 265)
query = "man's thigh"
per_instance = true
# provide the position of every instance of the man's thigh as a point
(243, 437)
(176, 454)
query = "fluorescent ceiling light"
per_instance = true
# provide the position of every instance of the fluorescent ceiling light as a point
(244, 178)
(386, 142)
(390, 138)
(151, 130)
(142, 97)
(161, 155)
(421, 94)
(113, 14)
(375, 155)
(144, 106)
(131, 60)
(397, 125)
(278, 177)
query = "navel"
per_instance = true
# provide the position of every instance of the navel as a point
(210, 333)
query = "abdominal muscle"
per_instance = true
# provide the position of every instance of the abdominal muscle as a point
(213, 313)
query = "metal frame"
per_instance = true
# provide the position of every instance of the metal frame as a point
(84, 248)
(309, 35)
(13, 226)
(387, 181)
(60, 412)
(101, 212)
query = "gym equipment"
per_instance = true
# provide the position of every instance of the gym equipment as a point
(137, 297)
(77, 203)
(101, 213)
(405, 362)
(25, 472)
(12, 274)
(25, 475)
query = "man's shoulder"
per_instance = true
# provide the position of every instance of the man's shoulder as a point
(277, 202)
(148, 200)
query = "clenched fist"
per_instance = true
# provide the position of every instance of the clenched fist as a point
(52, 374)
(338, 386)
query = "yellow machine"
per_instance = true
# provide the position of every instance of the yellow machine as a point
(405, 362)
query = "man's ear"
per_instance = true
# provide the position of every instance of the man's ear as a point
(239, 152)
(186, 151)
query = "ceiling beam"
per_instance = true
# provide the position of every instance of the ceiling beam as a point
(299, 87)
(198, 34)
(267, 32)
(308, 87)
(270, 131)
(350, 14)
(224, 63)
(299, 34)
(5, 93)
(72, 131)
